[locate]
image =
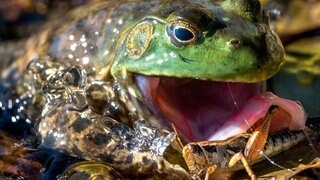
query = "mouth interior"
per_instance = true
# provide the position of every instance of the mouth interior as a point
(209, 110)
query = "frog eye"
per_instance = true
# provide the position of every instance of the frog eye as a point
(182, 33)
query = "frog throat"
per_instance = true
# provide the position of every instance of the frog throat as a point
(209, 110)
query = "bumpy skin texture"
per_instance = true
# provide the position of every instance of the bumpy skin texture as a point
(235, 41)
(232, 42)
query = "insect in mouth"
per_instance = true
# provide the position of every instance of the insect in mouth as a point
(206, 158)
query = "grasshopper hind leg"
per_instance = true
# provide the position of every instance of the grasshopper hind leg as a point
(240, 157)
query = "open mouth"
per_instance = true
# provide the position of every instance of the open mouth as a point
(208, 110)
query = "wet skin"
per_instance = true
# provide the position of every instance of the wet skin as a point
(107, 65)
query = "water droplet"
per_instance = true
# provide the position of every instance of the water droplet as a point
(71, 37)
(85, 60)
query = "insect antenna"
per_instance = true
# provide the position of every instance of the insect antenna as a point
(310, 143)
(274, 163)
(251, 129)
(236, 105)
(313, 125)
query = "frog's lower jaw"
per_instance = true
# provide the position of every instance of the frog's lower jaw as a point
(208, 110)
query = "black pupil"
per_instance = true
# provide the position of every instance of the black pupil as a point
(183, 34)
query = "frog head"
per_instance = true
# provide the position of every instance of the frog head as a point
(230, 41)
(194, 60)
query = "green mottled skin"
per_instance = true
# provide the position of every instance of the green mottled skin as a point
(259, 52)
(237, 46)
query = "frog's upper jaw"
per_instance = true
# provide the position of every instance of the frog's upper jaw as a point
(217, 43)
(208, 110)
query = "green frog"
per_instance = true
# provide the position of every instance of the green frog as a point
(113, 79)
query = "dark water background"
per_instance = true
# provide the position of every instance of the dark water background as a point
(20, 20)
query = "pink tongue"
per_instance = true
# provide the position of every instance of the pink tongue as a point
(205, 110)
(255, 109)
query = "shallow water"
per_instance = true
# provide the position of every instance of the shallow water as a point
(67, 89)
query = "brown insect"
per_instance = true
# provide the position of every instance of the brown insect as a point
(208, 157)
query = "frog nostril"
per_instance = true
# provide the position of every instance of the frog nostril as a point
(234, 43)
